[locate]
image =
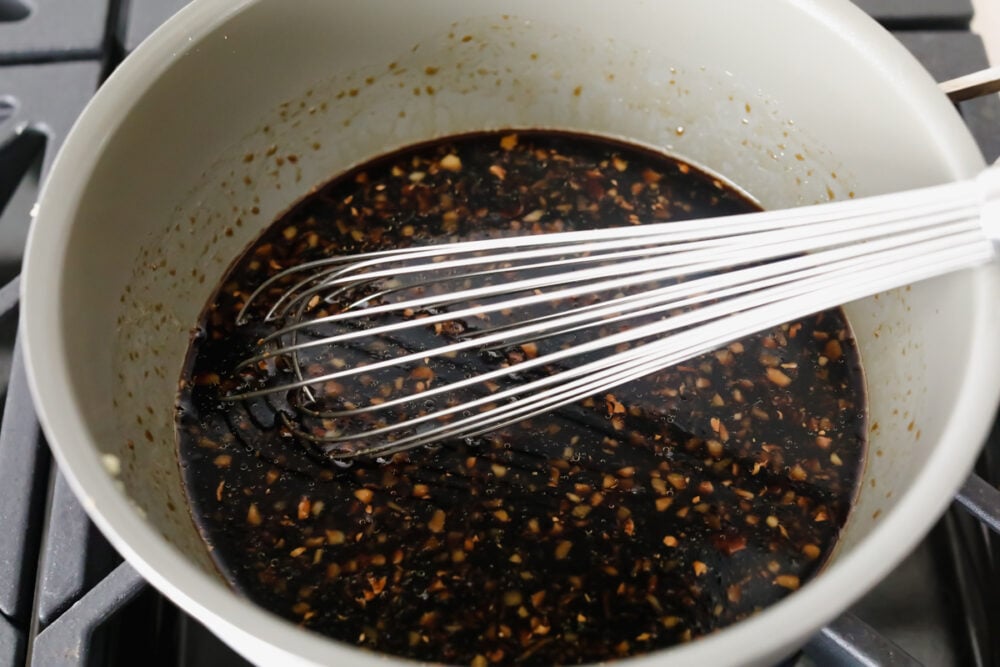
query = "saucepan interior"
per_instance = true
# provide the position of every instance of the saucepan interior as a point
(235, 110)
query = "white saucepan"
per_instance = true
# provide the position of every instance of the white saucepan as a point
(796, 101)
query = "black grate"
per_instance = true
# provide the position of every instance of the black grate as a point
(66, 598)
(52, 30)
(900, 15)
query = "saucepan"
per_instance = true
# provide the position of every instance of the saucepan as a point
(171, 171)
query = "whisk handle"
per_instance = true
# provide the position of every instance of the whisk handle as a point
(989, 214)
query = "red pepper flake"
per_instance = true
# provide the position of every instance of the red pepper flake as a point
(777, 377)
(677, 480)
(615, 407)
(304, 508)
(253, 515)
(422, 373)
(377, 584)
(436, 523)
(451, 162)
(730, 544)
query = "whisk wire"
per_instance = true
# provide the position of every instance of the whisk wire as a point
(621, 368)
(602, 375)
(723, 227)
(726, 278)
(767, 245)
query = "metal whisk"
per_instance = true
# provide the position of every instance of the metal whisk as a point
(473, 336)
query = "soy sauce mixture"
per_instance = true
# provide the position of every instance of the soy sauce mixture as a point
(638, 519)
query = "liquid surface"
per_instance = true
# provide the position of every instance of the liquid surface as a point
(647, 516)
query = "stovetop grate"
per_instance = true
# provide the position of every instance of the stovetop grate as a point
(66, 598)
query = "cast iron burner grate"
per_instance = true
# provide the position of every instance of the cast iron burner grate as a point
(67, 599)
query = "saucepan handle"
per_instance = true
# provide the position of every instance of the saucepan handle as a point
(968, 87)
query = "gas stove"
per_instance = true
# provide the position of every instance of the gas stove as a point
(66, 597)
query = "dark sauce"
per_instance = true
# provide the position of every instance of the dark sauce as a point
(632, 521)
